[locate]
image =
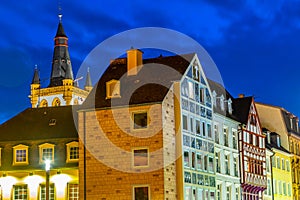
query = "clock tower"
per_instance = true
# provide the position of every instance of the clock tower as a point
(61, 90)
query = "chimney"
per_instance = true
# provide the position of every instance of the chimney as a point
(134, 61)
(241, 95)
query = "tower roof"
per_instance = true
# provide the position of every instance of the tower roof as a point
(36, 77)
(61, 62)
(60, 29)
(88, 81)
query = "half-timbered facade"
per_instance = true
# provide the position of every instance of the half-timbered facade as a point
(252, 149)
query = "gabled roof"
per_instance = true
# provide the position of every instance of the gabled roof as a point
(241, 108)
(150, 85)
(40, 123)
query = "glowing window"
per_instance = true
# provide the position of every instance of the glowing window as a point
(112, 89)
(20, 155)
(73, 191)
(20, 192)
(72, 151)
(43, 192)
(56, 102)
(46, 152)
(44, 103)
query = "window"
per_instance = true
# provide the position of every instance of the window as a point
(219, 197)
(235, 166)
(217, 162)
(73, 191)
(216, 133)
(289, 189)
(72, 151)
(284, 189)
(140, 120)
(234, 139)
(44, 103)
(280, 187)
(273, 162)
(282, 164)
(186, 159)
(237, 193)
(268, 164)
(184, 122)
(20, 154)
(229, 102)
(20, 192)
(198, 127)
(199, 164)
(56, 102)
(288, 166)
(141, 193)
(228, 189)
(210, 164)
(227, 171)
(140, 157)
(278, 162)
(275, 187)
(46, 152)
(112, 89)
(43, 192)
(209, 131)
(225, 131)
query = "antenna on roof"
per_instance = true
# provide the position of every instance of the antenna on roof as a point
(59, 10)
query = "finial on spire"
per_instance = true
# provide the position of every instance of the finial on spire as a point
(35, 66)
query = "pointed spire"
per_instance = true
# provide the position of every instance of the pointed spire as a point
(61, 62)
(88, 81)
(36, 77)
(60, 29)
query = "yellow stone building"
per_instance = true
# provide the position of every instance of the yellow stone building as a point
(285, 124)
(146, 131)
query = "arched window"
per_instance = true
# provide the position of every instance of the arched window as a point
(44, 103)
(56, 102)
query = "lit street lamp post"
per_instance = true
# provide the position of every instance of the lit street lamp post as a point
(47, 168)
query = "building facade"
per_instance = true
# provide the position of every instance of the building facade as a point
(225, 131)
(251, 148)
(284, 123)
(175, 157)
(27, 141)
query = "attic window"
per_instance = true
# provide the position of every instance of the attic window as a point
(229, 102)
(52, 122)
(214, 94)
(112, 89)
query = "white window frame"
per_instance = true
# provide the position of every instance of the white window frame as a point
(69, 146)
(68, 192)
(45, 146)
(15, 149)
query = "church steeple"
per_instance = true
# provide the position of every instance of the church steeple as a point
(36, 76)
(88, 82)
(61, 62)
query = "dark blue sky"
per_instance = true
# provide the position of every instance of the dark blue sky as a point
(256, 46)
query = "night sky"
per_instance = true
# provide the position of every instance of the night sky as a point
(255, 44)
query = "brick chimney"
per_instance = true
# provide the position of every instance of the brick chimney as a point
(134, 61)
(241, 95)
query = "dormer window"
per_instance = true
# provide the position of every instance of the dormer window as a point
(112, 89)
(72, 152)
(278, 141)
(222, 102)
(229, 102)
(214, 94)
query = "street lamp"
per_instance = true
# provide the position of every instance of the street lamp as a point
(47, 168)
